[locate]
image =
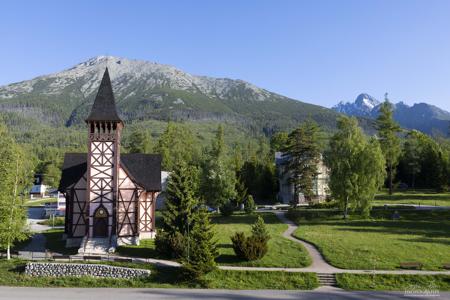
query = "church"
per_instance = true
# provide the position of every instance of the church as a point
(110, 197)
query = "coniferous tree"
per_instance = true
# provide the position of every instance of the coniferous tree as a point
(202, 247)
(356, 167)
(388, 131)
(181, 198)
(303, 153)
(218, 176)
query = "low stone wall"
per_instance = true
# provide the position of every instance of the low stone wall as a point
(65, 269)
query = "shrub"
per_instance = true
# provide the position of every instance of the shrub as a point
(252, 247)
(249, 205)
(239, 244)
(170, 245)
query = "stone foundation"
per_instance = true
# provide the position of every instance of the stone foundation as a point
(76, 270)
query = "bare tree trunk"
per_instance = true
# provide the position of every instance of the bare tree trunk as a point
(346, 208)
(390, 179)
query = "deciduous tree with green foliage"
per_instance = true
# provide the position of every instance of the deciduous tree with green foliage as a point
(15, 176)
(388, 131)
(139, 141)
(303, 154)
(356, 167)
(218, 186)
(177, 144)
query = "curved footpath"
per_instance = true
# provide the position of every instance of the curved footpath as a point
(319, 264)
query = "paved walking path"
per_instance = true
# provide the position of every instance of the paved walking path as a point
(319, 264)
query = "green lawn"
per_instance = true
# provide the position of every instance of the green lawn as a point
(57, 221)
(419, 197)
(390, 282)
(282, 252)
(11, 274)
(39, 202)
(380, 243)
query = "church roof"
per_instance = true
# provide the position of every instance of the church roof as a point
(145, 169)
(104, 107)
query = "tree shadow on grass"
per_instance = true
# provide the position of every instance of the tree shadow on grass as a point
(269, 218)
(425, 228)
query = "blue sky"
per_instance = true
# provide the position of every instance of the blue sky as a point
(315, 51)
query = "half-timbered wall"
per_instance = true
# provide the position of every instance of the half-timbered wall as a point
(127, 208)
(147, 214)
(101, 180)
(77, 222)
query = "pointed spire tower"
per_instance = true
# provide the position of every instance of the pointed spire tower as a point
(104, 126)
(104, 108)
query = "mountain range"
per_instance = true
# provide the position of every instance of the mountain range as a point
(151, 91)
(424, 117)
(147, 90)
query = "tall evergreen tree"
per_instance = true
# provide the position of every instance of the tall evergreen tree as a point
(181, 199)
(411, 156)
(388, 131)
(356, 167)
(303, 153)
(15, 177)
(202, 247)
(218, 176)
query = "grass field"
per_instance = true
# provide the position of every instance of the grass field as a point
(388, 282)
(39, 202)
(11, 275)
(419, 197)
(380, 243)
(282, 252)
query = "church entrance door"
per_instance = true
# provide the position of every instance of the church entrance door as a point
(101, 222)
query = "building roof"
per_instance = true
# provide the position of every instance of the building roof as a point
(145, 169)
(104, 107)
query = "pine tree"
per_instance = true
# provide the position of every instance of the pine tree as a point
(388, 130)
(356, 167)
(202, 247)
(303, 153)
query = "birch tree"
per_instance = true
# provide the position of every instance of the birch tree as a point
(13, 175)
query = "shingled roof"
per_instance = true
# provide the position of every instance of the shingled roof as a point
(104, 107)
(145, 169)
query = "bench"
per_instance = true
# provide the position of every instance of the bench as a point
(446, 266)
(118, 259)
(411, 265)
(92, 257)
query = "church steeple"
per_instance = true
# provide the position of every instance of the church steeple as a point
(104, 108)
